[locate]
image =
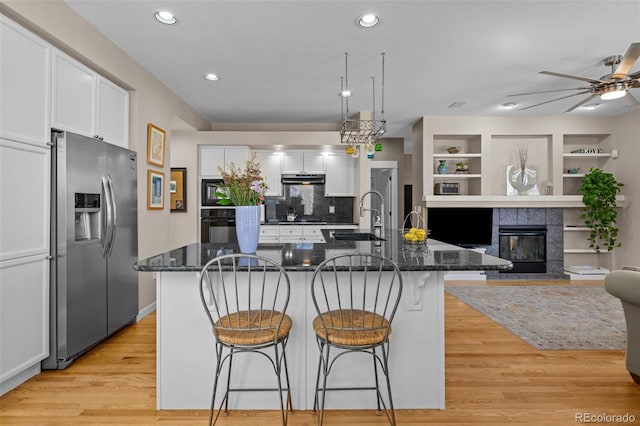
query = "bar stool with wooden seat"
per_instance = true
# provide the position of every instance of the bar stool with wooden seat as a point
(355, 297)
(245, 298)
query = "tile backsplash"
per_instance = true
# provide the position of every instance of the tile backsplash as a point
(309, 203)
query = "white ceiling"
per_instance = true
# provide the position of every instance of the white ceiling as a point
(281, 61)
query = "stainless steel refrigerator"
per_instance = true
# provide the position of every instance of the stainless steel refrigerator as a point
(94, 288)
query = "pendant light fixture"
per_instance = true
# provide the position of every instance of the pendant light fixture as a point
(355, 131)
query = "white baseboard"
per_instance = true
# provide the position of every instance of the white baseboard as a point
(586, 277)
(146, 311)
(15, 381)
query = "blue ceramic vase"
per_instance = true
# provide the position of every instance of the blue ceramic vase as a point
(248, 228)
(442, 167)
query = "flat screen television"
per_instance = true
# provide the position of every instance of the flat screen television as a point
(467, 227)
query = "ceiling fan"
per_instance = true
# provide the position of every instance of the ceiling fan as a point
(611, 86)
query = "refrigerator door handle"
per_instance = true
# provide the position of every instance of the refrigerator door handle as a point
(114, 214)
(106, 239)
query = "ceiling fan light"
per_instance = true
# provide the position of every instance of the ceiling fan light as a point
(614, 94)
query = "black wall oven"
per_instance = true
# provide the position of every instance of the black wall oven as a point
(218, 224)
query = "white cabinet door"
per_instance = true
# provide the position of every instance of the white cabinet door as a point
(303, 161)
(237, 156)
(24, 199)
(24, 314)
(25, 78)
(313, 162)
(211, 161)
(74, 95)
(112, 114)
(341, 179)
(292, 162)
(271, 167)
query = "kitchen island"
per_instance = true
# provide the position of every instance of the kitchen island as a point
(185, 345)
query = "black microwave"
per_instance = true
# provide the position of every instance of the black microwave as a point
(209, 189)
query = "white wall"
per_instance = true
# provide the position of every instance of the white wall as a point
(626, 134)
(150, 102)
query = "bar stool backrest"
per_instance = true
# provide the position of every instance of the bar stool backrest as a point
(252, 285)
(360, 292)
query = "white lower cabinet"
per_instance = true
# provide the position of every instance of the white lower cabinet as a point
(24, 318)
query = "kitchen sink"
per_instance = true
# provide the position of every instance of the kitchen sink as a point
(356, 236)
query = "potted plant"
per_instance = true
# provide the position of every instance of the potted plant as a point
(599, 190)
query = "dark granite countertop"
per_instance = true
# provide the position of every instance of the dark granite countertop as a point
(435, 256)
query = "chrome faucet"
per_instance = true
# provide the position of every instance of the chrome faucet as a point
(380, 213)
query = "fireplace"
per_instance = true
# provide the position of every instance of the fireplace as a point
(525, 246)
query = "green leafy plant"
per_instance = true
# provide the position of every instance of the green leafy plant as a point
(242, 187)
(599, 190)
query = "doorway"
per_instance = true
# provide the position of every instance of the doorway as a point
(384, 179)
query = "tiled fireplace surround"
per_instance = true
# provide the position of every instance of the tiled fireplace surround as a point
(552, 218)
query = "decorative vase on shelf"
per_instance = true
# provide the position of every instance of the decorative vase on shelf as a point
(442, 167)
(523, 180)
(248, 228)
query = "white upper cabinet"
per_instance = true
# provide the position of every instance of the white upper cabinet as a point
(74, 95)
(271, 167)
(313, 162)
(25, 78)
(303, 161)
(86, 103)
(341, 179)
(112, 115)
(215, 158)
(292, 162)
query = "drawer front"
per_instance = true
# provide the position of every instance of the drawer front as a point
(269, 231)
(312, 231)
(291, 231)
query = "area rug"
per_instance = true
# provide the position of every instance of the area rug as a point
(552, 317)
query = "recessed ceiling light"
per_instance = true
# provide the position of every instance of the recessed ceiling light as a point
(508, 105)
(345, 93)
(165, 17)
(211, 76)
(369, 20)
(591, 106)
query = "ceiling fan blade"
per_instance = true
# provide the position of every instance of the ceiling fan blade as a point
(634, 75)
(630, 100)
(582, 102)
(625, 65)
(574, 77)
(548, 91)
(553, 100)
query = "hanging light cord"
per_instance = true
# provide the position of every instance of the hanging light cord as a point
(382, 105)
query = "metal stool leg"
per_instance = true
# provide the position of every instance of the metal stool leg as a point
(286, 376)
(375, 375)
(385, 354)
(315, 389)
(213, 420)
(226, 396)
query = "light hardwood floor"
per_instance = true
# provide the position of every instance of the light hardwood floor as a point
(492, 377)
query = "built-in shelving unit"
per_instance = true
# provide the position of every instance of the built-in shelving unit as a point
(561, 151)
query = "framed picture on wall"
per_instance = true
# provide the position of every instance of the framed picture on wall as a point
(155, 145)
(155, 190)
(178, 189)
